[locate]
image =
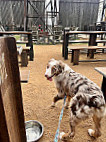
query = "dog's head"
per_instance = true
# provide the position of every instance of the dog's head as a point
(54, 68)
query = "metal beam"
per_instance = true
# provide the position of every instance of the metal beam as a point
(36, 10)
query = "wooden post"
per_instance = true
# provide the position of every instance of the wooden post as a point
(24, 59)
(4, 137)
(66, 47)
(92, 42)
(30, 43)
(76, 57)
(10, 88)
(72, 56)
(63, 44)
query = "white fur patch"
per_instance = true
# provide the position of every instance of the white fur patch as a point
(53, 104)
(61, 134)
(90, 132)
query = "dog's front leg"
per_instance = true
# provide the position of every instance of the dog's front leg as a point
(56, 98)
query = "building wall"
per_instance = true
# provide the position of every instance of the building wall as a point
(78, 12)
(72, 12)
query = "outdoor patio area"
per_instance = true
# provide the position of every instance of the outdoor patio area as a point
(38, 94)
(52, 70)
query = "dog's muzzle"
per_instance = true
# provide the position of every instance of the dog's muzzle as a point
(49, 77)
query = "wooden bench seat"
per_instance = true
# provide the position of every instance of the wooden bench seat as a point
(78, 41)
(76, 52)
(86, 41)
(101, 41)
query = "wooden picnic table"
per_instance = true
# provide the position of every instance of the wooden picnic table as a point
(92, 40)
(28, 43)
(102, 70)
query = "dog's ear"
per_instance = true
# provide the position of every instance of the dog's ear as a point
(54, 68)
(61, 65)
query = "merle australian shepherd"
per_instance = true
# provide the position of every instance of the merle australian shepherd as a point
(87, 99)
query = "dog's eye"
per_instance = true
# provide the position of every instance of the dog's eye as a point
(47, 67)
(53, 69)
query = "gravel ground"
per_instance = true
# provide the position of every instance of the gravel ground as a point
(38, 94)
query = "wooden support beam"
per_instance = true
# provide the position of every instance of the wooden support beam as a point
(75, 57)
(10, 88)
(4, 137)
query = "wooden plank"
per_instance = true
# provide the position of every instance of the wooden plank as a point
(66, 47)
(101, 70)
(101, 41)
(86, 32)
(99, 60)
(4, 137)
(76, 57)
(86, 47)
(92, 42)
(15, 32)
(24, 76)
(24, 59)
(78, 41)
(11, 90)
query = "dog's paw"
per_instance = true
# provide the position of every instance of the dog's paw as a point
(61, 134)
(94, 134)
(66, 106)
(53, 104)
(65, 136)
(91, 132)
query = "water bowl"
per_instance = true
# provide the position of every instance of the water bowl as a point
(34, 130)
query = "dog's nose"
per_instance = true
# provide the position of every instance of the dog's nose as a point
(45, 75)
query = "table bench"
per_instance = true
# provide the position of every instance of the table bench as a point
(76, 52)
(92, 40)
(28, 43)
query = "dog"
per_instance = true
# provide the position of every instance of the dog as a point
(87, 99)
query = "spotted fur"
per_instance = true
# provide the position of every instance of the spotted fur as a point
(86, 97)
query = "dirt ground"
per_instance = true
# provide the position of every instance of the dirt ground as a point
(38, 94)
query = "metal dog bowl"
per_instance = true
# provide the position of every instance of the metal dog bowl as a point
(34, 130)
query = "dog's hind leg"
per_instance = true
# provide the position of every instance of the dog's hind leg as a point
(95, 133)
(73, 123)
